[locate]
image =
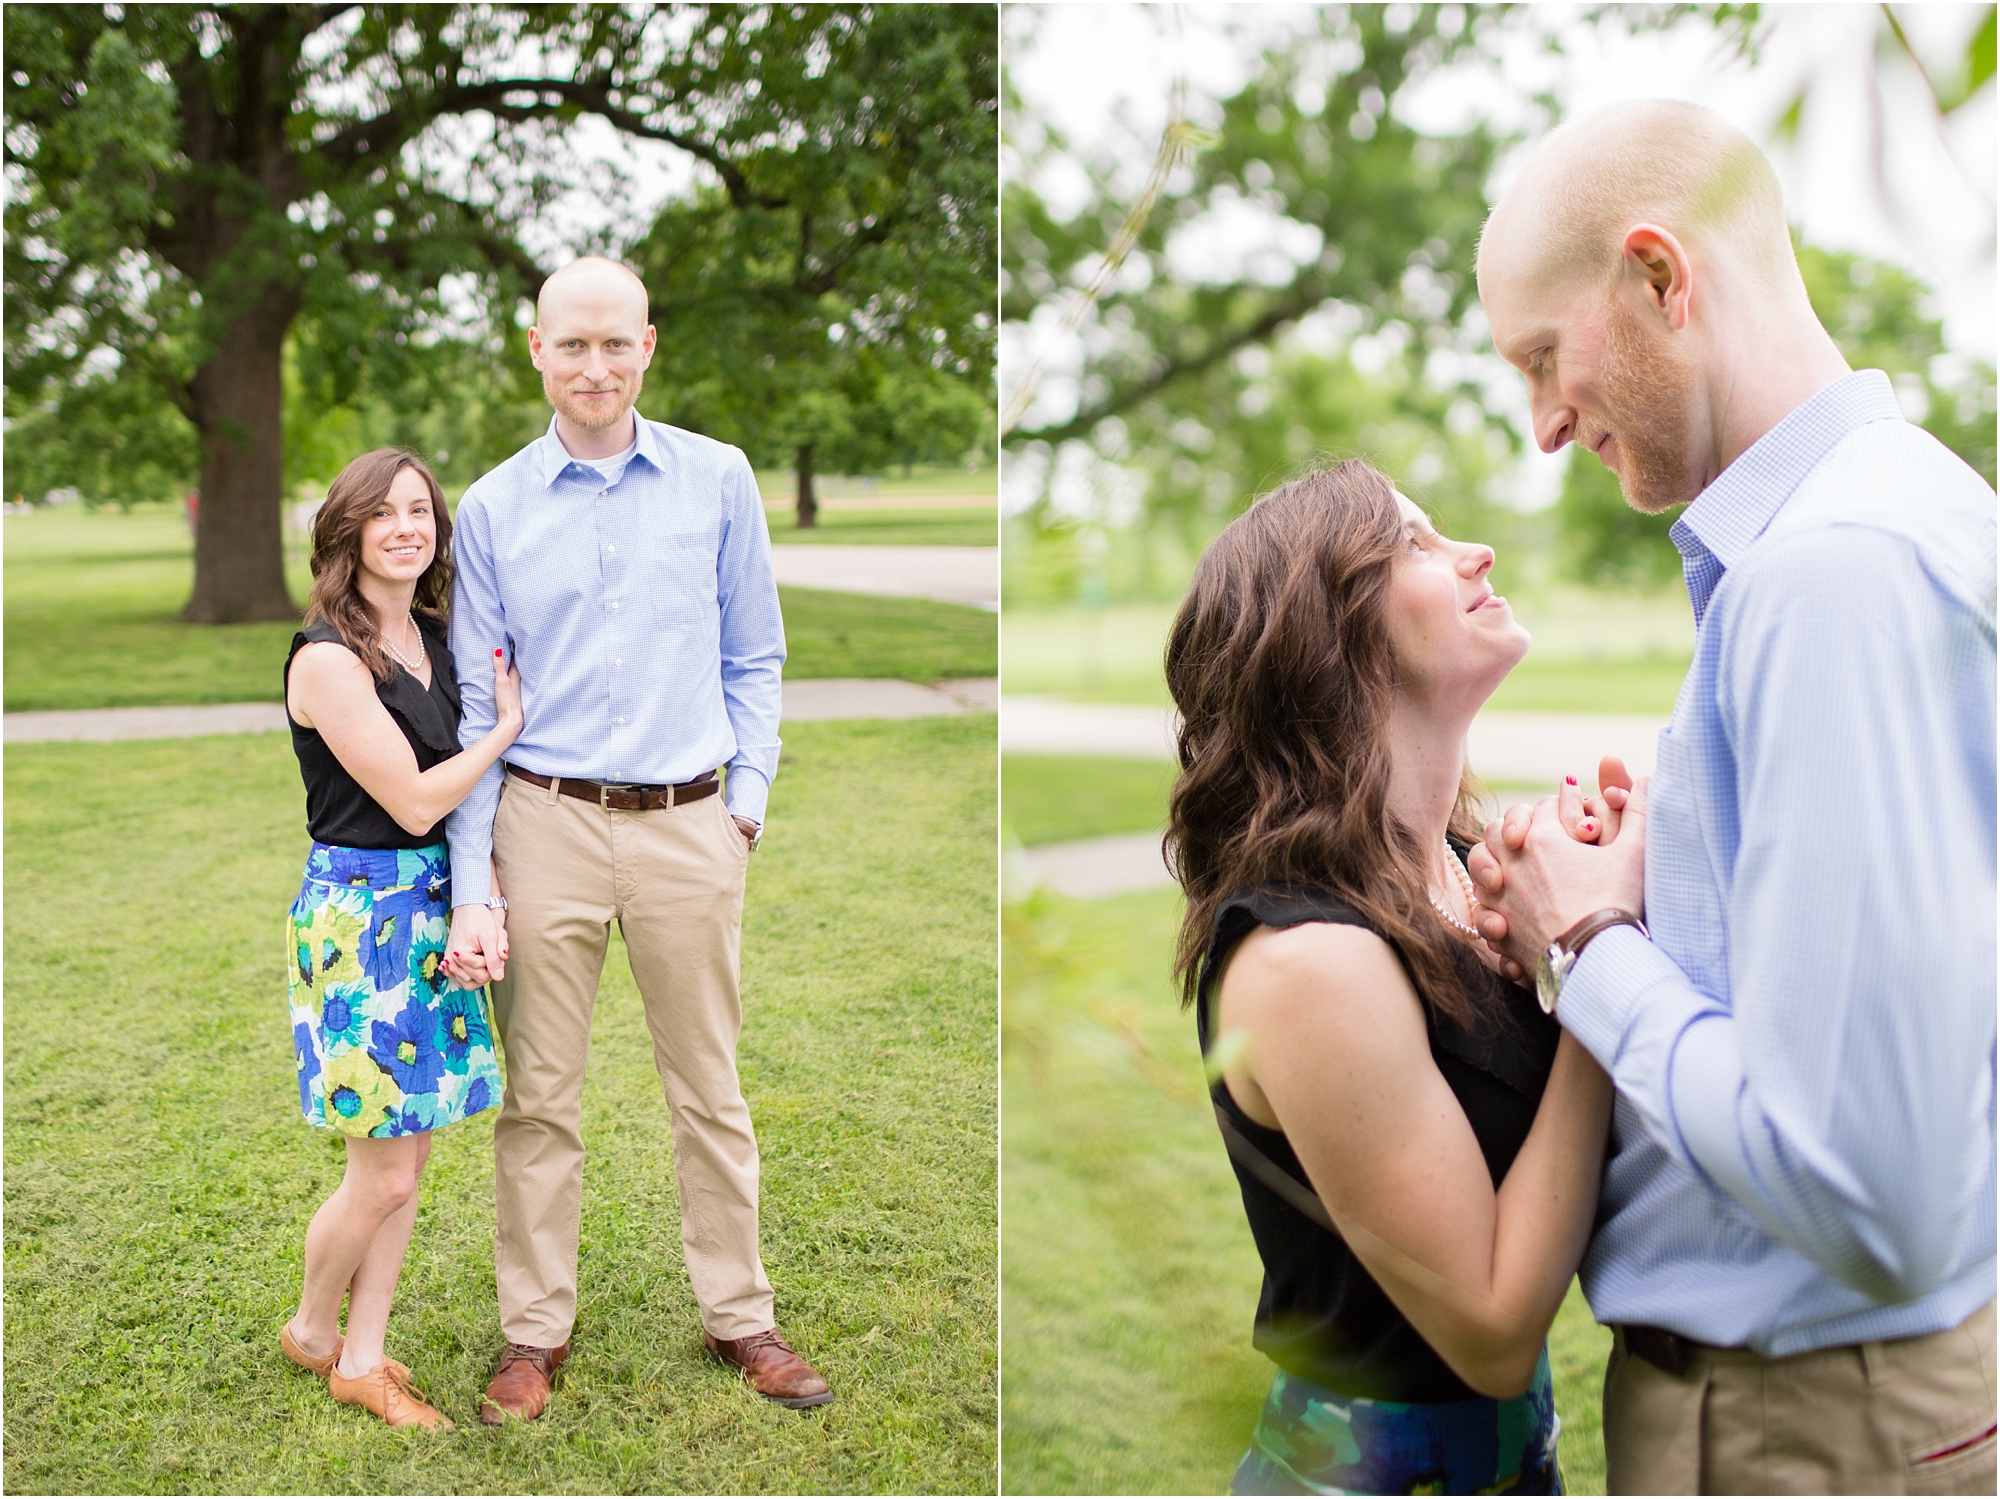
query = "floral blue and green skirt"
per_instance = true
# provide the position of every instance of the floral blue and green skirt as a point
(386, 1044)
(1313, 1440)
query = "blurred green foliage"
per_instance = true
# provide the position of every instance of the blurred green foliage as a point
(1183, 380)
(1128, 1271)
(1208, 377)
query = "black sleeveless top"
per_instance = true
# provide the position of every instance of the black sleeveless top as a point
(1321, 1315)
(338, 811)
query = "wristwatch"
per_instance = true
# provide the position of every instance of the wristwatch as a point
(1555, 964)
(495, 902)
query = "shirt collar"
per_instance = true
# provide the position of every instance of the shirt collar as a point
(1745, 497)
(555, 457)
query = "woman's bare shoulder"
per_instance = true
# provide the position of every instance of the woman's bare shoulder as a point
(326, 662)
(1318, 953)
(326, 676)
(1320, 974)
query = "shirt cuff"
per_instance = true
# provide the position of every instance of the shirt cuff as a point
(1630, 1004)
(471, 879)
(747, 793)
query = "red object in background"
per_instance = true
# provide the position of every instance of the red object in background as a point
(193, 506)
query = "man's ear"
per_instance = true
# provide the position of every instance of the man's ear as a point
(1655, 255)
(535, 345)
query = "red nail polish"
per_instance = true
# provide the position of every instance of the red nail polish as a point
(1569, 780)
(498, 653)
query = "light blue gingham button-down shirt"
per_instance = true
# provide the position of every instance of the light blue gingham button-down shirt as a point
(1803, 1143)
(640, 607)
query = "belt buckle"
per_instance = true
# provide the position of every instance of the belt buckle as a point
(604, 798)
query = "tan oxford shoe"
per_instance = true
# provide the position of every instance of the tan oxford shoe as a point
(386, 1390)
(320, 1366)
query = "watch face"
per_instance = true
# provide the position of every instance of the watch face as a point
(1549, 974)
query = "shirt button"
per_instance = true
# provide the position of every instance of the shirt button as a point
(617, 660)
(611, 549)
(621, 720)
(614, 603)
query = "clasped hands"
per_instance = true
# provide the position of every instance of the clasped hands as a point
(1545, 867)
(476, 951)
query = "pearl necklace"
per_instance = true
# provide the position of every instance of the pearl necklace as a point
(412, 667)
(1465, 884)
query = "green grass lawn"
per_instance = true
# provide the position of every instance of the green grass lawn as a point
(861, 635)
(1594, 652)
(159, 1178)
(1129, 1276)
(779, 486)
(1054, 798)
(91, 597)
(965, 527)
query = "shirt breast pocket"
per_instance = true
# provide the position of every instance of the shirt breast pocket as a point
(682, 584)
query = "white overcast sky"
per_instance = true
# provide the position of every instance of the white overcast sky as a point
(1103, 74)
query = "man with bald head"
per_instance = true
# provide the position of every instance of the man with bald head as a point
(1795, 1245)
(626, 568)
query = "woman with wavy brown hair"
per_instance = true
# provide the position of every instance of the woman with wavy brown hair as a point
(390, 1033)
(1417, 1144)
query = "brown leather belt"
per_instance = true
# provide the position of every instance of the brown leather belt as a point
(1669, 1352)
(615, 798)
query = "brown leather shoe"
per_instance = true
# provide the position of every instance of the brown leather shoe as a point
(774, 1371)
(387, 1391)
(320, 1366)
(520, 1386)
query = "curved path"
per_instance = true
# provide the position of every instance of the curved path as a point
(1516, 752)
(831, 697)
(949, 575)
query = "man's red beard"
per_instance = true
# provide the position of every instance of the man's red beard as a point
(1649, 401)
(594, 419)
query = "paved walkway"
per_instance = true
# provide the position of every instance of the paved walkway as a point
(1092, 867)
(1515, 751)
(1506, 749)
(832, 697)
(950, 575)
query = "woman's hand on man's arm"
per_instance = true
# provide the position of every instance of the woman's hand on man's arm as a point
(333, 693)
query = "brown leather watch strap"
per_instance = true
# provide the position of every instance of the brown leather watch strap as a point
(1573, 940)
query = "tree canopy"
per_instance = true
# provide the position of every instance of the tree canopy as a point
(1206, 374)
(1207, 377)
(213, 204)
(841, 315)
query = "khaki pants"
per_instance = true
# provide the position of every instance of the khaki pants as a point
(1911, 1416)
(673, 881)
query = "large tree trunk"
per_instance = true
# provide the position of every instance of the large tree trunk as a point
(808, 501)
(239, 556)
